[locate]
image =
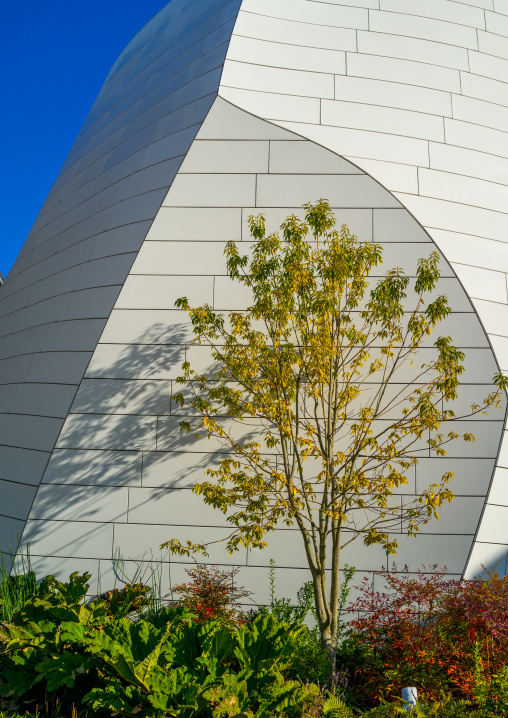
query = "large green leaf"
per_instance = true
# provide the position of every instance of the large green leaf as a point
(62, 670)
(230, 698)
(216, 643)
(16, 683)
(126, 669)
(186, 647)
(114, 697)
(264, 644)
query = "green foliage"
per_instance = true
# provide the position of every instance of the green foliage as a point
(42, 648)
(490, 691)
(131, 598)
(335, 707)
(160, 665)
(447, 708)
(58, 653)
(17, 587)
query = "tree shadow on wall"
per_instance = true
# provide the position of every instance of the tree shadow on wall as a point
(121, 460)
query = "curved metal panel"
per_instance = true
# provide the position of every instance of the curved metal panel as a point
(414, 93)
(56, 299)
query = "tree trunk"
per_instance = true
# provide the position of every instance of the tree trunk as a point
(327, 608)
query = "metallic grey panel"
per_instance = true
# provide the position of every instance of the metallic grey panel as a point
(66, 280)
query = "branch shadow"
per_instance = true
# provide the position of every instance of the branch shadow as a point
(120, 479)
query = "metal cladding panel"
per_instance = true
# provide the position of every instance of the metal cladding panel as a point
(396, 110)
(421, 105)
(55, 302)
(121, 460)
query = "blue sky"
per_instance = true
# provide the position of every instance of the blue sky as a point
(54, 57)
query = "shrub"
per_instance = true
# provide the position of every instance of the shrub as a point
(212, 594)
(443, 636)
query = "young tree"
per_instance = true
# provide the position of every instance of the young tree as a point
(314, 363)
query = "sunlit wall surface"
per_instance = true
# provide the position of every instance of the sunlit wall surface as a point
(396, 111)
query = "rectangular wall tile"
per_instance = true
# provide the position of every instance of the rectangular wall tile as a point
(274, 79)
(94, 468)
(484, 88)
(221, 156)
(129, 433)
(472, 163)
(138, 326)
(80, 503)
(493, 44)
(405, 71)
(141, 542)
(150, 292)
(408, 48)
(196, 223)
(200, 258)
(396, 225)
(465, 190)
(493, 523)
(350, 191)
(487, 65)
(362, 116)
(440, 214)
(251, 24)
(172, 470)
(292, 57)
(471, 476)
(125, 361)
(393, 94)
(483, 283)
(421, 551)
(66, 538)
(303, 157)
(439, 9)
(312, 12)
(201, 190)
(497, 23)
(423, 27)
(123, 396)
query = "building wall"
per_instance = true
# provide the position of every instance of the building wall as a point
(119, 481)
(358, 102)
(64, 284)
(415, 93)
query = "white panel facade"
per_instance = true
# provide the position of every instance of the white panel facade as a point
(394, 110)
(425, 89)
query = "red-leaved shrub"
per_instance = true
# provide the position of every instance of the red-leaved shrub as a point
(212, 594)
(431, 632)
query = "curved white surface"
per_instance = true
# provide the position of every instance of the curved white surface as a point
(411, 91)
(415, 92)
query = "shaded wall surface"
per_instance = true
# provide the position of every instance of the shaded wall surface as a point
(139, 217)
(60, 291)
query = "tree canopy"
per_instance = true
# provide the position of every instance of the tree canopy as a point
(325, 391)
